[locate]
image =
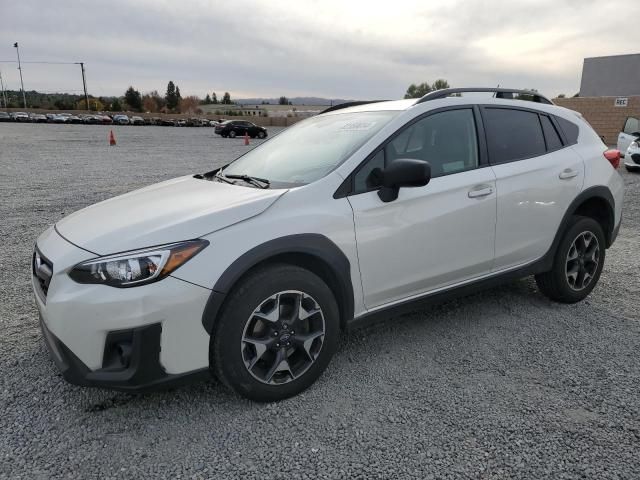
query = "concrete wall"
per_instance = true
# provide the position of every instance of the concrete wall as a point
(601, 113)
(617, 75)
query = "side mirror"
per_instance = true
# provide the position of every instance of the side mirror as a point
(403, 172)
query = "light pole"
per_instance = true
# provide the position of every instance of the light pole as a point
(24, 98)
(84, 84)
(4, 95)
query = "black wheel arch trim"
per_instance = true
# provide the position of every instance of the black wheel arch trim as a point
(314, 245)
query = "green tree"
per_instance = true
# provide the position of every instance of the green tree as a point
(171, 98)
(207, 100)
(214, 98)
(133, 98)
(226, 99)
(562, 95)
(440, 84)
(115, 105)
(417, 91)
(283, 101)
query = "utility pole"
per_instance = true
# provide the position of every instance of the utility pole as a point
(4, 95)
(24, 98)
(84, 84)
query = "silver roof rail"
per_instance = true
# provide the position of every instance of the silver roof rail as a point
(499, 93)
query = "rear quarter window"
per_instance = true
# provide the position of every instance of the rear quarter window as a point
(569, 129)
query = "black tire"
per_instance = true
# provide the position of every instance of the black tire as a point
(232, 134)
(557, 283)
(228, 347)
(261, 135)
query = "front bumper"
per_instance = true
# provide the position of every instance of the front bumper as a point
(159, 324)
(140, 373)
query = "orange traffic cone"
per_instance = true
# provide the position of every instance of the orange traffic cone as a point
(246, 138)
(112, 138)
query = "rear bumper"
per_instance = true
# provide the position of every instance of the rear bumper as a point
(141, 372)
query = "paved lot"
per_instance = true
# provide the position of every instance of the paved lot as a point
(503, 384)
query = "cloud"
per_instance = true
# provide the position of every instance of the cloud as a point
(331, 48)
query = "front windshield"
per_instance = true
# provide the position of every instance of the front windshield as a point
(310, 149)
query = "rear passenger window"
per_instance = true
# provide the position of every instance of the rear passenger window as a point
(513, 134)
(550, 134)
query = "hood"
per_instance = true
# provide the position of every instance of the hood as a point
(171, 211)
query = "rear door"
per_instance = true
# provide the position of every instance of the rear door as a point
(630, 132)
(537, 177)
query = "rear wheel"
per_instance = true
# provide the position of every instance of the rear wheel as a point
(276, 334)
(261, 134)
(232, 134)
(577, 264)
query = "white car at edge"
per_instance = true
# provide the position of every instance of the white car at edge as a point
(251, 271)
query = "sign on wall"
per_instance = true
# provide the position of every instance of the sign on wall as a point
(621, 102)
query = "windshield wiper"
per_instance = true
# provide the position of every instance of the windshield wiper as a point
(255, 181)
(220, 176)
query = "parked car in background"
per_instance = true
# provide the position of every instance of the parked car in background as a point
(88, 119)
(20, 116)
(630, 133)
(632, 156)
(254, 269)
(59, 118)
(181, 123)
(74, 119)
(168, 122)
(137, 120)
(5, 117)
(237, 128)
(121, 119)
(38, 118)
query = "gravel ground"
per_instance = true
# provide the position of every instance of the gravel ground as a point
(503, 384)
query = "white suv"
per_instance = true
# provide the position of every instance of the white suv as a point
(252, 271)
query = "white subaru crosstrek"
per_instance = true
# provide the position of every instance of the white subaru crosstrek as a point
(252, 271)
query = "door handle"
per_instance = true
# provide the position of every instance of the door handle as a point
(568, 173)
(480, 191)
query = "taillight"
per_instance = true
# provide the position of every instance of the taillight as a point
(613, 156)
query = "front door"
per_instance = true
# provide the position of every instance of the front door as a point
(433, 236)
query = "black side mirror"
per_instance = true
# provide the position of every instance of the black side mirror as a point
(403, 172)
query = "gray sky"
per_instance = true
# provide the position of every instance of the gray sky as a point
(355, 49)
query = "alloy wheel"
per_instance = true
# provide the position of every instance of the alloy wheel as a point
(283, 337)
(582, 260)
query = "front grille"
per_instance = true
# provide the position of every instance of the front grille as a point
(42, 271)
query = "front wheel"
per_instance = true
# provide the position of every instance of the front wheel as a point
(577, 264)
(261, 134)
(276, 334)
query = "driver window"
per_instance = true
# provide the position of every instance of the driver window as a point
(447, 140)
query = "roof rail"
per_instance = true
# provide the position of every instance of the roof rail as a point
(340, 106)
(499, 93)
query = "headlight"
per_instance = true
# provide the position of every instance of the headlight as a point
(137, 267)
(634, 145)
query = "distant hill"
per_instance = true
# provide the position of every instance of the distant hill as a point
(294, 101)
